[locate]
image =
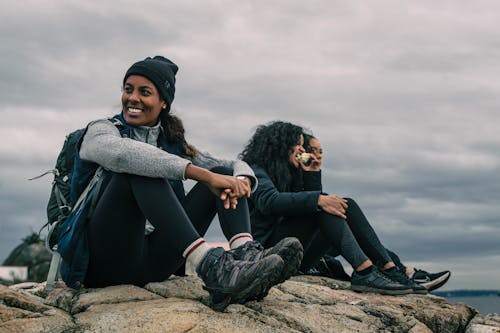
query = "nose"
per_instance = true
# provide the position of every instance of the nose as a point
(133, 96)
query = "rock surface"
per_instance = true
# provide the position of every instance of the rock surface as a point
(302, 304)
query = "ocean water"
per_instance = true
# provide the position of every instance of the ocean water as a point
(483, 304)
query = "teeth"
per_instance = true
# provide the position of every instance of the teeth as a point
(134, 110)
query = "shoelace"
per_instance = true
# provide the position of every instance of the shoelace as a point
(421, 275)
(421, 271)
(402, 277)
(251, 251)
(229, 263)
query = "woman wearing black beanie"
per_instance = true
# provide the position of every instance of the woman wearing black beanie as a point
(144, 226)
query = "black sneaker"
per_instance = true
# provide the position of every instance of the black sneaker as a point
(378, 282)
(289, 249)
(396, 274)
(330, 267)
(431, 281)
(235, 281)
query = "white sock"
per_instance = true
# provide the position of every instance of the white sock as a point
(194, 254)
(240, 239)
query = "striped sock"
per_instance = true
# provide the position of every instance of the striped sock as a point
(240, 239)
(195, 253)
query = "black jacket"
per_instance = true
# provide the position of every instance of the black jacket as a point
(269, 207)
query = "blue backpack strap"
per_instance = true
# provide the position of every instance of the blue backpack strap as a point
(176, 149)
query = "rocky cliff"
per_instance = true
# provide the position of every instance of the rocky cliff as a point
(302, 304)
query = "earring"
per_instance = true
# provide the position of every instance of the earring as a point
(164, 106)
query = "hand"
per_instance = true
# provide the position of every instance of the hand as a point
(229, 201)
(244, 186)
(315, 164)
(229, 189)
(333, 204)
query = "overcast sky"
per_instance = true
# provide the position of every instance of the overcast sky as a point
(405, 98)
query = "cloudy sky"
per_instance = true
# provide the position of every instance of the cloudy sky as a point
(405, 98)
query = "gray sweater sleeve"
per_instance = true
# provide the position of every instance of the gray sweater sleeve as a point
(240, 168)
(103, 145)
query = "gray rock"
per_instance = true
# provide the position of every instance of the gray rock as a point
(33, 254)
(302, 304)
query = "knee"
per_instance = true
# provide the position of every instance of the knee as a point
(222, 170)
(330, 218)
(351, 202)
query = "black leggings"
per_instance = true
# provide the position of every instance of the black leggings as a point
(353, 237)
(120, 253)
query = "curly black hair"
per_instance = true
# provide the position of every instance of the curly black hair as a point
(270, 148)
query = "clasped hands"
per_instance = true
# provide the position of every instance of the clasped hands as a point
(229, 189)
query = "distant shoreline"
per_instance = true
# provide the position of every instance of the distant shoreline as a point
(467, 293)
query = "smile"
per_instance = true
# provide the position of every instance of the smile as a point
(134, 110)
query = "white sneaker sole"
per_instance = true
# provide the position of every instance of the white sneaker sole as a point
(434, 284)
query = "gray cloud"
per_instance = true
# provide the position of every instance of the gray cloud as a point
(404, 97)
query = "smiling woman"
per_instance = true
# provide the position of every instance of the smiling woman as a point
(148, 89)
(141, 102)
(146, 158)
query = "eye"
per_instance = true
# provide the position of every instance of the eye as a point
(127, 89)
(145, 92)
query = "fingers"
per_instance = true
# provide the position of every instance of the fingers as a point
(233, 202)
(337, 206)
(339, 211)
(224, 195)
(231, 189)
(228, 199)
(336, 212)
(340, 214)
(341, 201)
(242, 188)
(230, 202)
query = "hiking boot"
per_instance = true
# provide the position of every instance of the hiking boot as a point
(396, 274)
(289, 249)
(431, 281)
(235, 281)
(378, 282)
(329, 267)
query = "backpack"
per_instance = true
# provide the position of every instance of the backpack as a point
(58, 206)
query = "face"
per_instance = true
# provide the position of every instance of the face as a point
(316, 149)
(295, 150)
(141, 102)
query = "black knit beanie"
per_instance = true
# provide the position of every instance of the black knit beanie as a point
(159, 70)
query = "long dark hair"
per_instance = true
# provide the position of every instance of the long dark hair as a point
(270, 148)
(174, 131)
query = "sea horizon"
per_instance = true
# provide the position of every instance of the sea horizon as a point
(483, 304)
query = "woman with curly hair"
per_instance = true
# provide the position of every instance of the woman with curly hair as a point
(286, 203)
